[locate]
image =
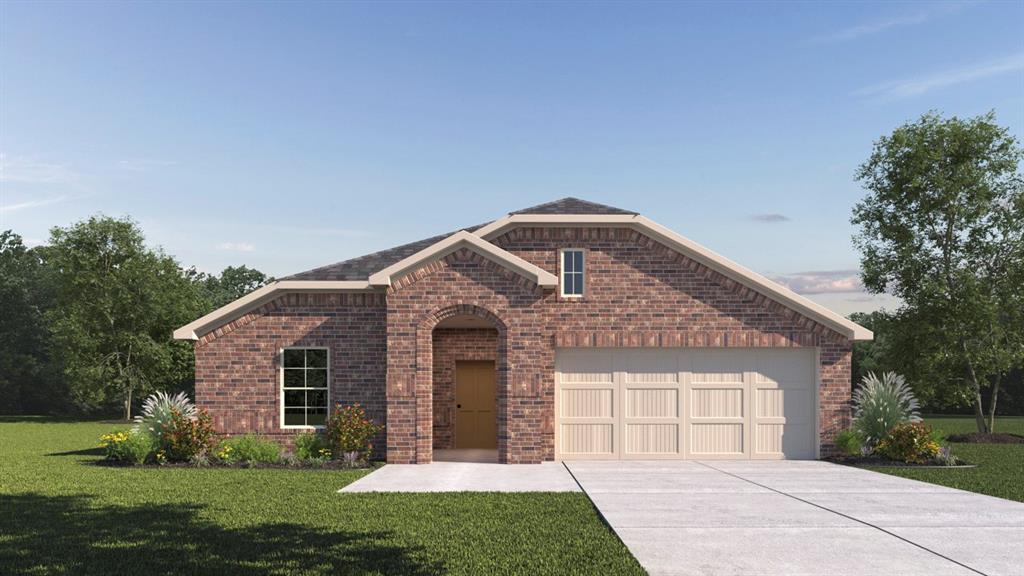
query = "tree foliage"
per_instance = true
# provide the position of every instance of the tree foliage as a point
(233, 283)
(117, 302)
(29, 381)
(941, 228)
(87, 319)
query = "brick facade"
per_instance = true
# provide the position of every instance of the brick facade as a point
(639, 293)
(238, 365)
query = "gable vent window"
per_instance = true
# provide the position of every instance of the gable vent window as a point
(304, 378)
(572, 272)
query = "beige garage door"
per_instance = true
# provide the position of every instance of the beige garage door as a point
(685, 403)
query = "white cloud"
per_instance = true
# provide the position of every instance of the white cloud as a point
(869, 28)
(30, 171)
(236, 247)
(916, 86)
(6, 208)
(822, 281)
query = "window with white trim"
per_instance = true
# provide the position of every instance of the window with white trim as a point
(304, 387)
(572, 272)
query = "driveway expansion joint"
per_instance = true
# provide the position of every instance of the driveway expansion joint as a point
(827, 509)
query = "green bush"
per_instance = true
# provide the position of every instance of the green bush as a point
(249, 448)
(912, 442)
(879, 404)
(131, 446)
(310, 446)
(187, 439)
(849, 443)
(350, 431)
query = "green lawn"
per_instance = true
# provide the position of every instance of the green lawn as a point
(1000, 466)
(61, 514)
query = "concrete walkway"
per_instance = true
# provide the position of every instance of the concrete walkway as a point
(800, 518)
(466, 477)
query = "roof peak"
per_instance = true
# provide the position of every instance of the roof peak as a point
(570, 205)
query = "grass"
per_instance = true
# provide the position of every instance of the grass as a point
(1000, 466)
(61, 514)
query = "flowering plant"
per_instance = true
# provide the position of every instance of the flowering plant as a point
(912, 442)
(185, 438)
(127, 446)
(350, 431)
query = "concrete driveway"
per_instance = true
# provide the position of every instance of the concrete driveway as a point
(800, 517)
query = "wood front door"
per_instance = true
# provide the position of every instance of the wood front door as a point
(476, 410)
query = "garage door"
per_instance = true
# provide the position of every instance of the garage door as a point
(685, 403)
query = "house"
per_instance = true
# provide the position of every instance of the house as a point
(566, 330)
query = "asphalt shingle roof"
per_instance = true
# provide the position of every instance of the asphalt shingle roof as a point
(361, 267)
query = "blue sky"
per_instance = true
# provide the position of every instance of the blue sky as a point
(286, 136)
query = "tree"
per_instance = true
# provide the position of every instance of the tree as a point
(117, 302)
(233, 283)
(27, 381)
(942, 228)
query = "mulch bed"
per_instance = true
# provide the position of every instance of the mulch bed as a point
(329, 465)
(979, 438)
(885, 462)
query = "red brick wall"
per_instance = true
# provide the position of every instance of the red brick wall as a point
(237, 367)
(450, 346)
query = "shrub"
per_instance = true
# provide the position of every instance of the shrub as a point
(309, 445)
(186, 439)
(127, 446)
(349, 432)
(912, 442)
(158, 409)
(249, 448)
(849, 443)
(880, 404)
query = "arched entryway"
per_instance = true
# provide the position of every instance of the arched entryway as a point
(461, 377)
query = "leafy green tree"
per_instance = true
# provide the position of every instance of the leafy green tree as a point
(233, 283)
(28, 382)
(942, 228)
(116, 304)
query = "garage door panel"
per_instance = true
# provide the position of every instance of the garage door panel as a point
(587, 402)
(652, 402)
(717, 403)
(792, 406)
(589, 439)
(685, 403)
(716, 439)
(652, 439)
(783, 441)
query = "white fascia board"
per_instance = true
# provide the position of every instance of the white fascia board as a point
(473, 242)
(229, 312)
(715, 261)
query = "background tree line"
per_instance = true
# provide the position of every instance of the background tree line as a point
(87, 318)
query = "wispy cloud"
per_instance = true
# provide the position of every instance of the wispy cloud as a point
(770, 218)
(6, 208)
(910, 87)
(31, 171)
(822, 281)
(143, 164)
(236, 247)
(876, 26)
